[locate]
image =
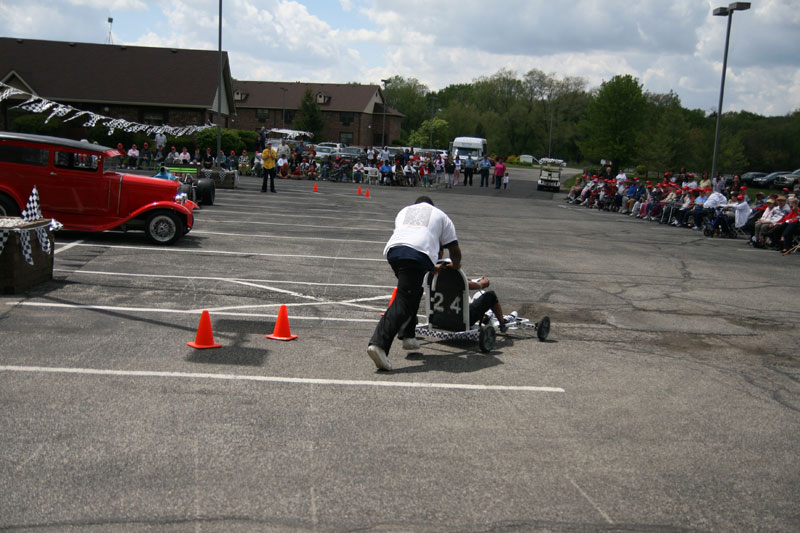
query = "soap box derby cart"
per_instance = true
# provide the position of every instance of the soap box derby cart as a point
(447, 310)
(80, 185)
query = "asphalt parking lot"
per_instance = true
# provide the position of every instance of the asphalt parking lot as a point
(666, 399)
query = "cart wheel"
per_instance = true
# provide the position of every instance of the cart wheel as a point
(543, 328)
(486, 339)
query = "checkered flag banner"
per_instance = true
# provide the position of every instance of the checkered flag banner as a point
(4, 233)
(25, 246)
(33, 209)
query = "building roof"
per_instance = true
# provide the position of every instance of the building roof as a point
(330, 96)
(114, 74)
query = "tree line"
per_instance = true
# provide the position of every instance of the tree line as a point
(542, 115)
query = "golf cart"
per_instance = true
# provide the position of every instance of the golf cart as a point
(550, 174)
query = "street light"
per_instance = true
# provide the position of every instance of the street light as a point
(383, 129)
(724, 12)
(433, 105)
(283, 120)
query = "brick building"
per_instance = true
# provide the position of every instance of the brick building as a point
(352, 113)
(135, 83)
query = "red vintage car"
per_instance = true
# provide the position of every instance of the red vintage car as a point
(80, 186)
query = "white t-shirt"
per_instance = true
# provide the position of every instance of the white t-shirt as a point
(424, 228)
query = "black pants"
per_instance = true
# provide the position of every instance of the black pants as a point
(484, 177)
(480, 305)
(468, 172)
(401, 316)
(269, 176)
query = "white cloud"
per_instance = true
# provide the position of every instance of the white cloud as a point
(675, 46)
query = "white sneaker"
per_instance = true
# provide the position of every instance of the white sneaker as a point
(410, 344)
(378, 356)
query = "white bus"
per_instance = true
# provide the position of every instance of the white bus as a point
(461, 147)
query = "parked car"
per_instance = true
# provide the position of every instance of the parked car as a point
(322, 151)
(80, 185)
(787, 180)
(748, 177)
(765, 182)
(335, 146)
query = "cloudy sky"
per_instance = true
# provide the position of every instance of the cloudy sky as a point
(669, 45)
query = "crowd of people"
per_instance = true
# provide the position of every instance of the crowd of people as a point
(299, 160)
(715, 207)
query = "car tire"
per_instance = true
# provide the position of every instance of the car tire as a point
(163, 227)
(206, 192)
(8, 207)
(486, 339)
(543, 328)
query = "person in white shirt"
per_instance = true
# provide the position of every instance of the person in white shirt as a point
(420, 231)
(133, 157)
(358, 171)
(621, 177)
(185, 157)
(740, 210)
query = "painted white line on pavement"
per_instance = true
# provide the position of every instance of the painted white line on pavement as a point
(292, 237)
(249, 222)
(197, 311)
(215, 278)
(277, 379)
(67, 246)
(165, 249)
(588, 499)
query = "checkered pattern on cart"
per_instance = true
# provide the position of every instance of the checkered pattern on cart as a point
(447, 335)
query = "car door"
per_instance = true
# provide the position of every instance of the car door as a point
(77, 184)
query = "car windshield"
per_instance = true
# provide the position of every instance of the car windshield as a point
(111, 164)
(464, 151)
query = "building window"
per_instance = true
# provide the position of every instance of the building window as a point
(262, 115)
(346, 137)
(346, 117)
(155, 118)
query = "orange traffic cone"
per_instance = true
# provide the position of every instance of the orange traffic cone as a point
(359, 190)
(282, 331)
(205, 337)
(366, 195)
(394, 293)
(315, 188)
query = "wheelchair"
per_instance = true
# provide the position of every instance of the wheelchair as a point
(716, 224)
(447, 311)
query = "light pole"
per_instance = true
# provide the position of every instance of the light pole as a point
(433, 106)
(283, 120)
(724, 12)
(383, 129)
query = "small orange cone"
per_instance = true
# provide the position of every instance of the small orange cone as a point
(394, 293)
(315, 188)
(205, 337)
(359, 190)
(366, 195)
(282, 331)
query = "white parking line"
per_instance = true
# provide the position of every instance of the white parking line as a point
(292, 237)
(249, 222)
(198, 311)
(275, 379)
(217, 278)
(173, 249)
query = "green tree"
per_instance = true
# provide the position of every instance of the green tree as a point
(613, 120)
(408, 96)
(435, 129)
(309, 116)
